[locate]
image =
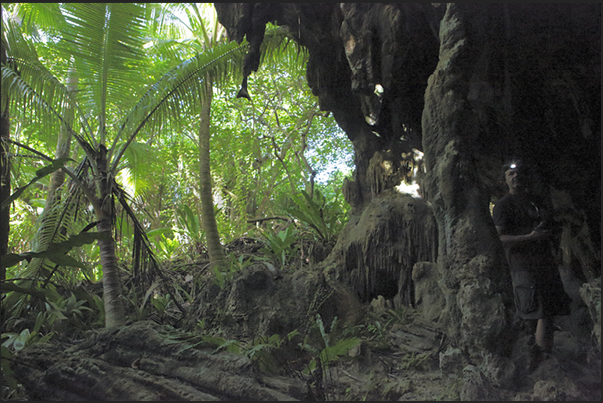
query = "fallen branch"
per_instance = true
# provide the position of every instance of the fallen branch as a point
(255, 220)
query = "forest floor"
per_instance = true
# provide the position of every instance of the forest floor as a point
(398, 356)
(408, 365)
(402, 356)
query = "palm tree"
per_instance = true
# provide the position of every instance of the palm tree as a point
(106, 42)
(4, 174)
(207, 34)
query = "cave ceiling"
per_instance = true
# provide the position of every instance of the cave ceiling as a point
(535, 72)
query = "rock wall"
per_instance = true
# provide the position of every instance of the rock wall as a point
(469, 256)
(493, 95)
(368, 64)
(469, 85)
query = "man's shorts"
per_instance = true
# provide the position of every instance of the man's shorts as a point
(538, 300)
(528, 300)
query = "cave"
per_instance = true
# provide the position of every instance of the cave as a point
(440, 94)
(467, 86)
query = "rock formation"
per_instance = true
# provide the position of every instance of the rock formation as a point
(469, 86)
(465, 86)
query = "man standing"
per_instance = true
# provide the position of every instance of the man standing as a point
(524, 229)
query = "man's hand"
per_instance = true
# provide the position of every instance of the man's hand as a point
(539, 234)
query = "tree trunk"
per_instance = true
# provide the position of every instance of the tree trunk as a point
(114, 310)
(5, 163)
(48, 223)
(214, 247)
(4, 182)
(64, 141)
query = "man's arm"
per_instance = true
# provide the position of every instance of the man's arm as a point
(510, 240)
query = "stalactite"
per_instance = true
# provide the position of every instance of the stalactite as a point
(397, 232)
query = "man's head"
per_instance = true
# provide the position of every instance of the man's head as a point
(514, 172)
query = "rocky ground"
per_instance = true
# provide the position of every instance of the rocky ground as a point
(227, 349)
(410, 360)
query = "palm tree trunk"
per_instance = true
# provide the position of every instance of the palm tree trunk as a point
(57, 178)
(48, 224)
(4, 186)
(64, 141)
(214, 247)
(4, 176)
(114, 310)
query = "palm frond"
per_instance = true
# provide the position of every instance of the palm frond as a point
(60, 218)
(145, 267)
(278, 46)
(35, 16)
(171, 50)
(55, 165)
(106, 41)
(22, 73)
(14, 41)
(180, 90)
(31, 86)
(141, 160)
(28, 85)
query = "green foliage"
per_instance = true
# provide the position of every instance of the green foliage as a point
(221, 277)
(18, 341)
(264, 350)
(162, 169)
(140, 310)
(100, 306)
(279, 246)
(7, 372)
(13, 342)
(166, 248)
(161, 304)
(318, 213)
(223, 274)
(66, 313)
(272, 353)
(239, 263)
(40, 174)
(231, 346)
(262, 152)
(217, 343)
(332, 347)
(189, 221)
(57, 252)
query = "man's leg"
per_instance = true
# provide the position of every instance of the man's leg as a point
(544, 334)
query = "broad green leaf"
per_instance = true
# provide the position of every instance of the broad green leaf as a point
(159, 231)
(56, 251)
(7, 371)
(63, 260)
(40, 173)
